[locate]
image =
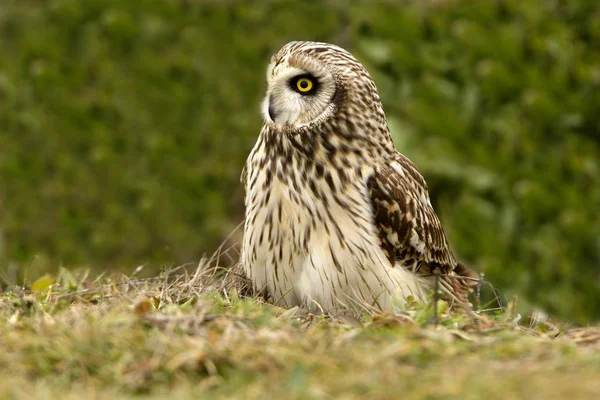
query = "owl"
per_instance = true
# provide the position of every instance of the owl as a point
(336, 218)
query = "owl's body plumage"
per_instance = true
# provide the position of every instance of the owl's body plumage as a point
(335, 216)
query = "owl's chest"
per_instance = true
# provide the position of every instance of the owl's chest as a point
(305, 230)
(292, 211)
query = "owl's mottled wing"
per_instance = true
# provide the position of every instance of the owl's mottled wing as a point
(408, 228)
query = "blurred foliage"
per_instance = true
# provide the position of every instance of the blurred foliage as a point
(124, 126)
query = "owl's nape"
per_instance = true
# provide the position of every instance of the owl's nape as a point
(335, 216)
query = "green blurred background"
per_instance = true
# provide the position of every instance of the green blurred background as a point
(124, 126)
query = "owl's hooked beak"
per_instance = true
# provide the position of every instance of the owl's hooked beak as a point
(271, 109)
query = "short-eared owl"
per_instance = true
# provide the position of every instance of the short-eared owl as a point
(335, 216)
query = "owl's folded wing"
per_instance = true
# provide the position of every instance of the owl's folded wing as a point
(409, 230)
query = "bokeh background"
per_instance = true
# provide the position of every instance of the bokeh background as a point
(124, 126)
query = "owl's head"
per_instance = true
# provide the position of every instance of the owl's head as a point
(309, 83)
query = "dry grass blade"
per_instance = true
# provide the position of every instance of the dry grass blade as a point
(202, 329)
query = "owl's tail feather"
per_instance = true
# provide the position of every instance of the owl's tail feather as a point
(458, 284)
(473, 278)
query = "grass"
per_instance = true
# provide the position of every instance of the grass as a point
(183, 335)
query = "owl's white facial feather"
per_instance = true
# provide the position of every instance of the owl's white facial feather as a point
(285, 106)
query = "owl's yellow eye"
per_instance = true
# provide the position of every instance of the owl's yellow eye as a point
(304, 85)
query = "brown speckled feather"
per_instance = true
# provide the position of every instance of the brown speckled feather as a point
(409, 230)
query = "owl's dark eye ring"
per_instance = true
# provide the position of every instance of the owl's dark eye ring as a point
(304, 84)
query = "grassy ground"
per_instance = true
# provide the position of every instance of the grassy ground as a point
(183, 336)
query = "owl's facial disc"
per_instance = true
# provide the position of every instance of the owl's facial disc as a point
(298, 93)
